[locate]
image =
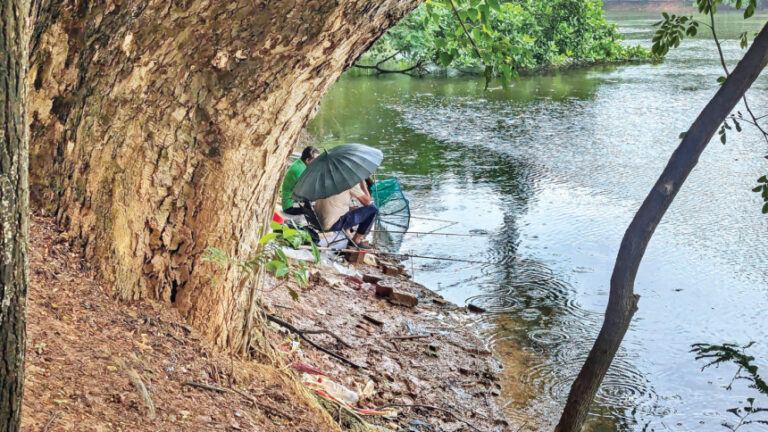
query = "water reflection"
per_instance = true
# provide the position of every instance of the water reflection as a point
(554, 168)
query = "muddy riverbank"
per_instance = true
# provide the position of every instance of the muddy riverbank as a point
(425, 361)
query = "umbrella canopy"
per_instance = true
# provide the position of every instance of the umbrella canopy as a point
(337, 170)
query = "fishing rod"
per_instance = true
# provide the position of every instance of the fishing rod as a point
(432, 219)
(398, 255)
(436, 233)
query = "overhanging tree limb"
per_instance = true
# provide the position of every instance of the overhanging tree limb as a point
(622, 301)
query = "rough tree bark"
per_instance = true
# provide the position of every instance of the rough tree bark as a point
(622, 302)
(14, 208)
(160, 128)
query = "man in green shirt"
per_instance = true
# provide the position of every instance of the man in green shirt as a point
(292, 176)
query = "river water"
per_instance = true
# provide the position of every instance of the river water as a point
(547, 174)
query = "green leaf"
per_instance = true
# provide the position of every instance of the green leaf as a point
(315, 253)
(269, 237)
(281, 256)
(445, 58)
(272, 265)
(763, 179)
(296, 241)
(749, 11)
(721, 79)
(494, 4)
(765, 208)
(506, 72)
(281, 271)
(275, 226)
(757, 189)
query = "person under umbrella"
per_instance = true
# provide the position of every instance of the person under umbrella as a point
(336, 213)
(332, 180)
(292, 176)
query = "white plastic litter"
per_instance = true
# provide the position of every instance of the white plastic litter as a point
(346, 271)
(298, 254)
(336, 390)
(333, 240)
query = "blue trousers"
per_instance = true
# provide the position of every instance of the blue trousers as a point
(363, 217)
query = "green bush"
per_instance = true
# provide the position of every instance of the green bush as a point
(500, 39)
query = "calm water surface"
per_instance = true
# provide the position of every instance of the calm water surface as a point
(553, 169)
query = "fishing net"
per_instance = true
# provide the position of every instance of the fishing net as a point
(394, 213)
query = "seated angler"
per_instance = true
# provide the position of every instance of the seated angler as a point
(292, 176)
(336, 213)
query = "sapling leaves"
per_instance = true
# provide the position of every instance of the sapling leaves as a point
(271, 257)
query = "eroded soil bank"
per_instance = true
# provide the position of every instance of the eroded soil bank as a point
(426, 360)
(98, 364)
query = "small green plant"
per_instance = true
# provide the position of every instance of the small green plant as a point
(269, 255)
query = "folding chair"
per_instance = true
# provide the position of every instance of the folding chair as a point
(314, 223)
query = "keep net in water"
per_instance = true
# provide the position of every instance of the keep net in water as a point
(394, 213)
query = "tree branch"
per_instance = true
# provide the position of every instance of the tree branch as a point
(390, 71)
(472, 41)
(725, 68)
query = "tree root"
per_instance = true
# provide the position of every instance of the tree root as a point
(302, 334)
(432, 407)
(263, 405)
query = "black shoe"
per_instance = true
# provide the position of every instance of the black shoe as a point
(361, 245)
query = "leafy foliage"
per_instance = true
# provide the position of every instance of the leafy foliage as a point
(502, 38)
(715, 355)
(270, 255)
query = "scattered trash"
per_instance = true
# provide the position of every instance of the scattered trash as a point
(300, 367)
(370, 259)
(335, 390)
(346, 271)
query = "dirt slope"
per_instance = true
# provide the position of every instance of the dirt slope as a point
(96, 364)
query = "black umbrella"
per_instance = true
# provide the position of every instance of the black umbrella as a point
(337, 170)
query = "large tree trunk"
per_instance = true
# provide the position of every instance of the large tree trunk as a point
(160, 128)
(14, 208)
(622, 302)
